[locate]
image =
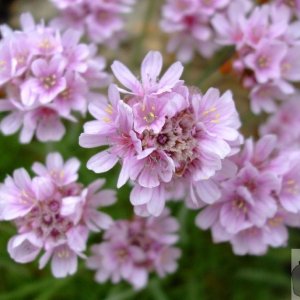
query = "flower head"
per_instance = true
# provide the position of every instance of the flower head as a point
(189, 24)
(102, 21)
(266, 45)
(162, 131)
(46, 76)
(53, 213)
(133, 249)
(259, 202)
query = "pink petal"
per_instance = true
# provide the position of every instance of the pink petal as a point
(124, 75)
(140, 195)
(102, 162)
(151, 67)
(64, 262)
(157, 203)
(171, 77)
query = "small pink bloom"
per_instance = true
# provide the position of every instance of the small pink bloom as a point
(46, 75)
(61, 173)
(132, 249)
(267, 60)
(101, 21)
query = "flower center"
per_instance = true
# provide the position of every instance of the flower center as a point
(49, 81)
(240, 205)
(263, 62)
(189, 21)
(292, 187)
(275, 221)
(150, 117)
(54, 206)
(45, 44)
(121, 254)
(2, 64)
(162, 139)
(65, 94)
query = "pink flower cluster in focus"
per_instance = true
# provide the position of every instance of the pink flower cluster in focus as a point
(132, 249)
(46, 76)
(53, 213)
(102, 21)
(162, 132)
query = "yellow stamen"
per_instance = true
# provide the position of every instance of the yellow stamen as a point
(109, 109)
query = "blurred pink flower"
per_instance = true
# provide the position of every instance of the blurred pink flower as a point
(133, 249)
(259, 202)
(281, 122)
(53, 213)
(189, 24)
(266, 41)
(46, 76)
(102, 21)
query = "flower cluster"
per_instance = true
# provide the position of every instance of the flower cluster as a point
(102, 21)
(259, 201)
(46, 76)
(292, 5)
(162, 132)
(189, 22)
(53, 212)
(267, 51)
(132, 249)
(285, 124)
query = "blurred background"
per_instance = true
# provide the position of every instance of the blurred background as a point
(206, 270)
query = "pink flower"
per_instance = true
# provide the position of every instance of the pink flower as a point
(102, 21)
(59, 172)
(5, 63)
(258, 203)
(161, 132)
(246, 201)
(53, 213)
(132, 249)
(267, 60)
(46, 76)
(150, 71)
(209, 7)
(190, 25)
(263, 97)
(284, 124)
(292, 5)
(48, 82)
(65, 3)
(44, 122)
(266, 43)
(289, 195)
(20, 193)
(255, 241)
(86, 206)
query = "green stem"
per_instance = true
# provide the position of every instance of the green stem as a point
(182, 217)
(27, 290)
(136, 53)
(124, 295)
(156, 290)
